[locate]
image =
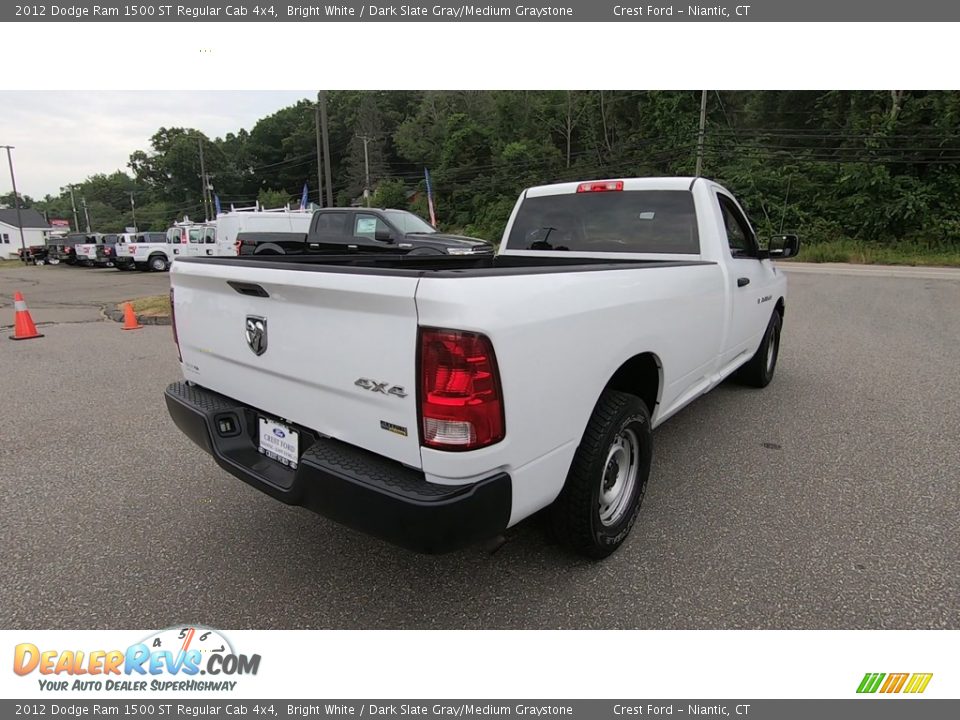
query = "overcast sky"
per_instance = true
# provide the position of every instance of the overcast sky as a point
(62, 137)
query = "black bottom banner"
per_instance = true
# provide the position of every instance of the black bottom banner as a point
(872, 708)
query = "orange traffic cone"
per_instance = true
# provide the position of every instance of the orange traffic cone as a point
(23, 327)
(130, 318)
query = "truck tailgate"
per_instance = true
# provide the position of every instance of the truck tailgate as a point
(340, 351)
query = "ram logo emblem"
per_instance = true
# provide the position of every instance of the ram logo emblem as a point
(256, 334)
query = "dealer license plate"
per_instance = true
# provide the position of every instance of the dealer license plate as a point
(279, 442)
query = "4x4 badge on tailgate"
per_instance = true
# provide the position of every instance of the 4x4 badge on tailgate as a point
(257, 334)
(380, 387)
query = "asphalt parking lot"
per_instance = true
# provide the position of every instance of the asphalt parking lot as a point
(829, 500)
(65, 294)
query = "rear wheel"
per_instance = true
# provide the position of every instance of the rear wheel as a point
(758, 372)
(600, 500)
(158, 263)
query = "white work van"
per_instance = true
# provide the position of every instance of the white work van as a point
(218, 238)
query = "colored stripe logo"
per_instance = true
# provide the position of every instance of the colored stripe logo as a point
(914, 683)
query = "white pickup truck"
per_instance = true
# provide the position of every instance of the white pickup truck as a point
(145, 251)
(435, 401)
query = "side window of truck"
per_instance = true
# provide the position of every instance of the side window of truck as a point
(210, 235)
(331, 223)
(367, 226)
(195, 235)
(739, 236)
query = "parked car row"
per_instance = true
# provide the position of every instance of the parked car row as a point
(255, 231)
(119, 250)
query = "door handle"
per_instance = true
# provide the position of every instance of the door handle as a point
(743, 282)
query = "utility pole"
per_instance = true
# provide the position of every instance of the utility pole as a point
(133, 209)
(73, 204)
(203, 180)
(213, 209)
(703, 124)
(16, 201)
(322, 97)
(366, 166)
(86, 212)
(316, 122)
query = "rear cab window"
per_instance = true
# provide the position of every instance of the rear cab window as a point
(627, 221)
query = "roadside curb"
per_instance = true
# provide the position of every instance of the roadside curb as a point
(117, 316)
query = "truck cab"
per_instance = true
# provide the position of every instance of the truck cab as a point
(63, 249)
(147, 251)
(91, 253)
(122, 259)
(363, 231)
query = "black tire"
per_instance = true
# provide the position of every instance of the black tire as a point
(158, 263)
(577, 519)
(758, 372)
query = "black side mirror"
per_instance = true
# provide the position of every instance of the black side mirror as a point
(382, 235)
(783, 246)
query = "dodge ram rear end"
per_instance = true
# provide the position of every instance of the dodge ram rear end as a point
(437, 401)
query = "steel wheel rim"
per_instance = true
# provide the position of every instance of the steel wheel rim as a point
(619, 477)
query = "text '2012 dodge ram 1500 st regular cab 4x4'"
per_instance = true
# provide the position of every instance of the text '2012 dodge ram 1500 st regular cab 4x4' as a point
(435, 401)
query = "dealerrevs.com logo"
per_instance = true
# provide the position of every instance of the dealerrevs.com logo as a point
(178, 659)
(892, 683)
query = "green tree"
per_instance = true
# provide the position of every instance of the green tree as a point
(878, 166)
(390, 194)
(271, 199)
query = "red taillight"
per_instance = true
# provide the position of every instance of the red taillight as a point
(461, 402)
(173, 324)
(605, 186)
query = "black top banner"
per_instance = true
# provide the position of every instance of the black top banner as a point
(525, 11)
